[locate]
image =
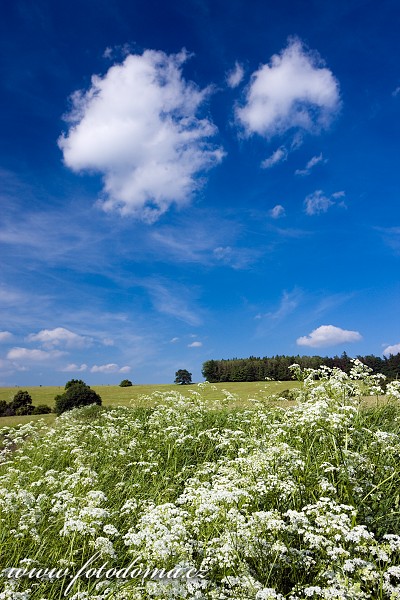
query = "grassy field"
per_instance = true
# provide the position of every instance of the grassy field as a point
(138, 395)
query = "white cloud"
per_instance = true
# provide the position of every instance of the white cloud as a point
(195, 345)
(276, 157)
(109, 368)
(294, 90)
(5, 336)
(396, 92)
(73, 368)
(316, 203)
(392, 350)
(60, 336)
(138, 126)
(174, 340)
(237, 258)
(33, 355)
(235, 76)
(277, 212)
(337, 195)
(311, 163)
(328, 335)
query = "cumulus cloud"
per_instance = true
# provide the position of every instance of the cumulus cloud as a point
(328, 335)
(235, 76)
(277, 212)
(392, 350)
(73, 368)
(60, 337)
(109, 368)
(195, 345)
(33, 355)
(138, 126)
(311, 163)
(5, 336)
(276, 157)
(294, 91)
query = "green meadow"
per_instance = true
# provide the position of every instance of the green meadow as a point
(242, 395)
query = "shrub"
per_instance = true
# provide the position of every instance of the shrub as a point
(41, 409)
(76, 395)
(25, 410)
(3, 407)
(125, 383)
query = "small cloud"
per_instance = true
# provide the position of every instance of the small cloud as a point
(5, 336)
(109, 368)
(108, 342)
(276, 157)
(315, 160)
(174, 340)
(277, 212)
(60, 336)
(396, 92)
(33, 355)
(195, 345)
(328, 335)
(392, 350)
(337, 195)
(317, 203)
(235, 76)
(73, 368)
(294, 91)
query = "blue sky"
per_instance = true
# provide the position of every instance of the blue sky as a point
(181, 181)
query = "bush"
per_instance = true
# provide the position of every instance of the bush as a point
(76, 395)
(25, 410)
(125, 383)
(41, 409)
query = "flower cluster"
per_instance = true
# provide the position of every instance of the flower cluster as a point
(268, 503)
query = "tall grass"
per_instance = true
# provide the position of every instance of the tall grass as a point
(267, 502)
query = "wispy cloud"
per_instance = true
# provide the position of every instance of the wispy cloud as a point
(235, 76)
(73, 368)
(315, 160)
(318, 203)
(138, 126)
(109, 368)
(295, 90)
(195, 345)
(276, 157)
(174, 300)
(277, 212)
(328, 335)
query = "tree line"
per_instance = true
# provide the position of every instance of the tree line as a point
(277, 367)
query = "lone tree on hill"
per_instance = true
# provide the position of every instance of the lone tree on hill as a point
(125, 383)
(183, 377)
